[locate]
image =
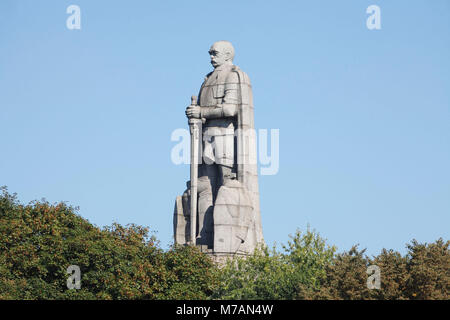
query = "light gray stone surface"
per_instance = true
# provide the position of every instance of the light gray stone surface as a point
(228, 219)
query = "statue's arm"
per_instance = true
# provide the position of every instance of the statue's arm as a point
(230, 101)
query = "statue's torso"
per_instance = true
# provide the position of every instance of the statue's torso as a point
(212, 93)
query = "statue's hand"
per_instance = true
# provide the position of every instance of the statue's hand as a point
(193, 112)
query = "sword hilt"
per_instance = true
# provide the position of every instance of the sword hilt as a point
(193, 100)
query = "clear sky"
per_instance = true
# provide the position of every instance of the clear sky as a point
(364, 115)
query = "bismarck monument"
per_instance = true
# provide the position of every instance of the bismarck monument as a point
(219, 212)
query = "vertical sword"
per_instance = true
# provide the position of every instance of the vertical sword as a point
(195, 130)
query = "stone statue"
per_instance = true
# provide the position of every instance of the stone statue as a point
(224, 178)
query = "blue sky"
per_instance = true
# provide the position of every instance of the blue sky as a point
(364, 115)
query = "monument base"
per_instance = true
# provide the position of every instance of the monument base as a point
(220, 258)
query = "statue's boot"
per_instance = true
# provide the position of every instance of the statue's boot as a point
(205, 212)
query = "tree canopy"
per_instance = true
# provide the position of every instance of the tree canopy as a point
(39, 241)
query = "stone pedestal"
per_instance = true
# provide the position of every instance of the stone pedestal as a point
(235, 227)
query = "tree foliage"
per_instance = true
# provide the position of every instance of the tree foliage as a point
(269, 274)
(39, 241)
(423, 273)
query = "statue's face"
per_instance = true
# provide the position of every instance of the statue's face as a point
(218, 55)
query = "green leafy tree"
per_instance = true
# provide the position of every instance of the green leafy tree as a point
(346, 277)
(394, 275)
(424, 273)
(39, 241)
(269, 274)
(193, 275)
(429, 270)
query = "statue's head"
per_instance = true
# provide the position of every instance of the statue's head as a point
(221, 52)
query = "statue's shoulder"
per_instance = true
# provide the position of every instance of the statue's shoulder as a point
(243, 77)
(208, 75)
